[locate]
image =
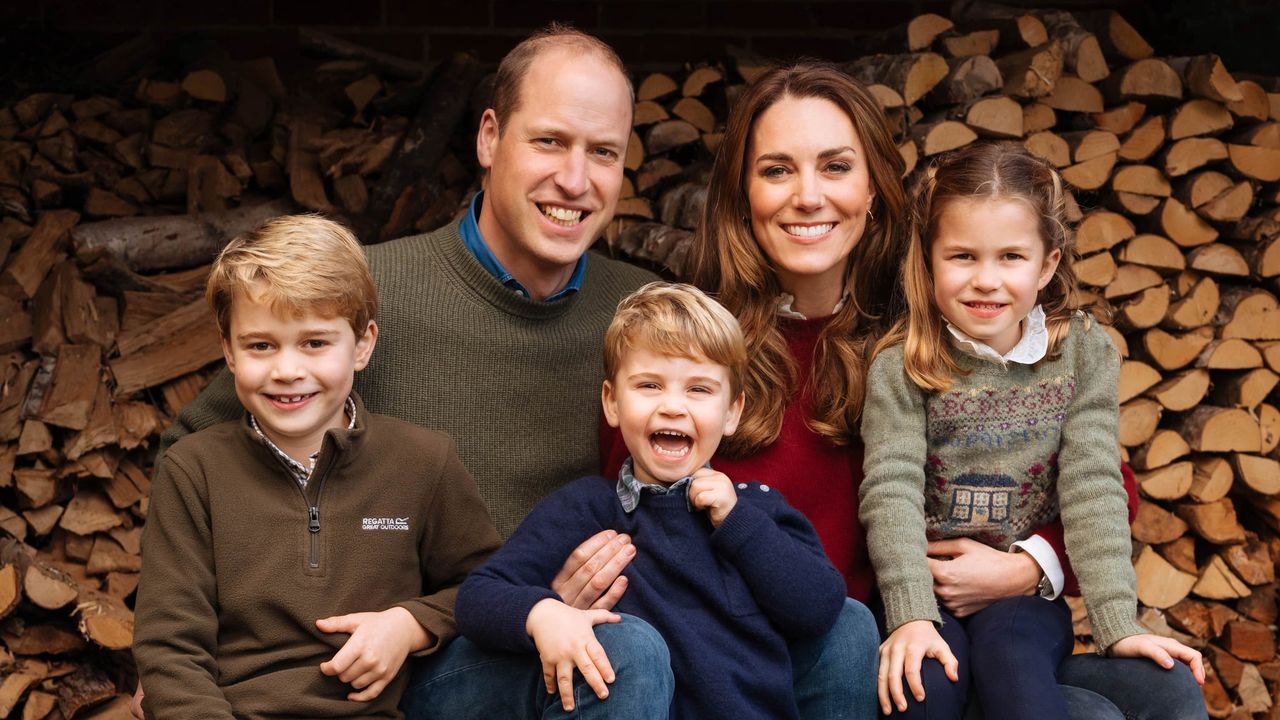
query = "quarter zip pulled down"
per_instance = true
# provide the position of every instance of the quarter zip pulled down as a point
(313, 525)
(317, 479)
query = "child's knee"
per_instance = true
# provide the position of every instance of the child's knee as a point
(637, 652)
(859, 639)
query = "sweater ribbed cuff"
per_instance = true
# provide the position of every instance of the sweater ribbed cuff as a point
(1113, 622)
(508, 627)
(904, 603)
(739, 527)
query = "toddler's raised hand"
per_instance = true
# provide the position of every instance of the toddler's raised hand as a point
(712, 491)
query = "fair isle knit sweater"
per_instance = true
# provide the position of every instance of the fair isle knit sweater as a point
(1000, 453)
(516, 382)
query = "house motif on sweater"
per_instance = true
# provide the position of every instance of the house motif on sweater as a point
(981, 499)
(992, 459)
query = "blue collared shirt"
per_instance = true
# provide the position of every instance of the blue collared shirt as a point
(476, 245)
(629, 488)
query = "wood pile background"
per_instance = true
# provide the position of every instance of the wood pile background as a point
(113, 202)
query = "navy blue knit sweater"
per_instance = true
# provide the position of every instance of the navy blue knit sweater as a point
(726, 600)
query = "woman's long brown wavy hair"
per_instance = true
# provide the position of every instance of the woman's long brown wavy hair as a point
(728, 262)
(981, 171)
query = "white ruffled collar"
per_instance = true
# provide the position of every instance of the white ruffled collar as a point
(1031, 349)
(786, 300)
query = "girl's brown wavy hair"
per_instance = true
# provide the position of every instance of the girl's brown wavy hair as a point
(728, 262)
(982, 171)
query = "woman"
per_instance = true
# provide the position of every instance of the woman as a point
(802, 239)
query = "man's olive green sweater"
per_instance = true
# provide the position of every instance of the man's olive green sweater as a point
(239, 561)
(992, 458)
(516, 382)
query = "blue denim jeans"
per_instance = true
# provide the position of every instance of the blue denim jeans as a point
(834, 677)
(466, 681)
(1100, 688)
(1136, 688)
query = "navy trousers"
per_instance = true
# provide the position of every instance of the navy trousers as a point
(1009, 655)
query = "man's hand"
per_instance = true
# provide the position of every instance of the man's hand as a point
(565, 639)
(1161, 650)
(713, 491)
(591, 578)
(978, 575)
(379, 643)
(901, 655)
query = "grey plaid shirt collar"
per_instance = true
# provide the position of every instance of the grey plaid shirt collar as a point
(300, 472)
(629, 488)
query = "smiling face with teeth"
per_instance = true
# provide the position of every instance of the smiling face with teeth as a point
(554, 171)
(809, 188)
(989, 265)
(294, 373)
(672, 412)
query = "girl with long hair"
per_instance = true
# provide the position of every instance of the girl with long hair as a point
(991, 410)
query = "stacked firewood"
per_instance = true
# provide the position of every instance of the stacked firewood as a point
(112, 208)
(113, 204)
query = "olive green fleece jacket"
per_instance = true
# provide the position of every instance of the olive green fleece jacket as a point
(239, 561)
(998, 454)
(516, 382)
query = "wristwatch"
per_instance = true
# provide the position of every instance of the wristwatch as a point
(1044, 588)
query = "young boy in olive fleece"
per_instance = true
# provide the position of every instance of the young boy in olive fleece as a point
(293, 559)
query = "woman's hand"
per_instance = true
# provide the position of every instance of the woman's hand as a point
(978, 575)
(901, 655)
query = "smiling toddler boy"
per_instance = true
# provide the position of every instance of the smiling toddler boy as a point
(727, 573)
(293, 559)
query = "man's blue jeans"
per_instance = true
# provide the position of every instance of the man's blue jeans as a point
(834, 677)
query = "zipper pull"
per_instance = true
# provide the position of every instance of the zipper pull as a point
(313, 519)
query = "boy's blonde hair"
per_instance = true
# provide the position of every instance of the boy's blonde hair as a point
(295, 264)
(677, 320)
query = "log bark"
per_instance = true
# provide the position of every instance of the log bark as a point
(912, 75)
(171, 242)
(1215, 429)
(417, 157)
